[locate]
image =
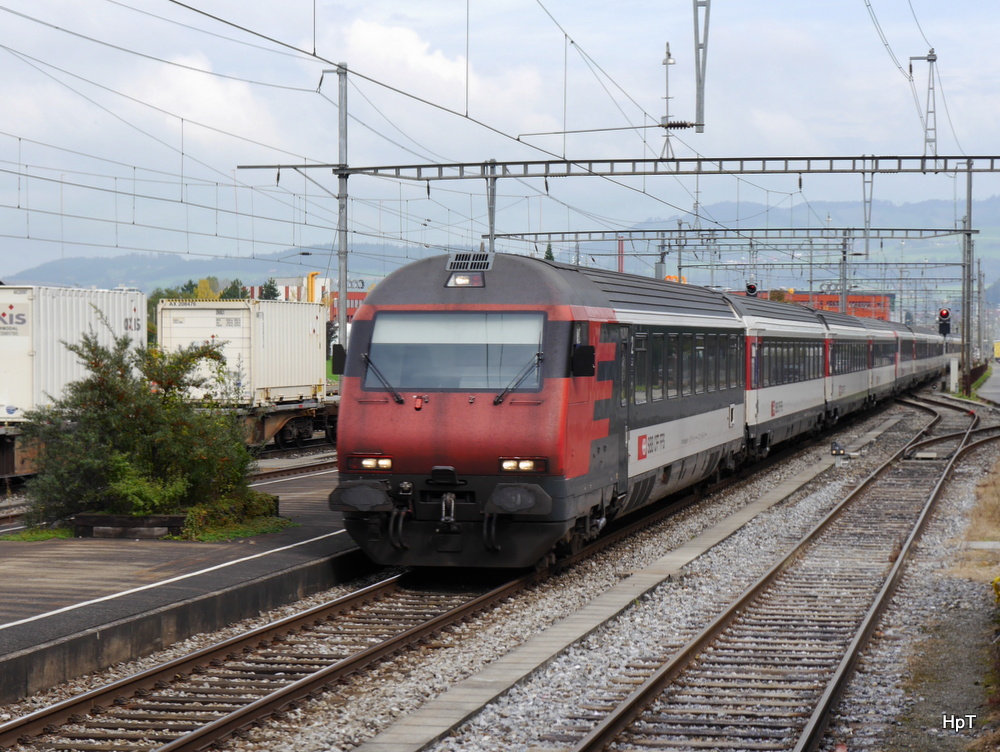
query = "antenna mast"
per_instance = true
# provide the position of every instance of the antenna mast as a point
(700, 55)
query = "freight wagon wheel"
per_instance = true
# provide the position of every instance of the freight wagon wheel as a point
(286, 437)
(330, 430)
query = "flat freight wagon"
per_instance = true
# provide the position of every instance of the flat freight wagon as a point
(275, 355)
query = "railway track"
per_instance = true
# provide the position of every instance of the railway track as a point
(196, 700)
(765, 674)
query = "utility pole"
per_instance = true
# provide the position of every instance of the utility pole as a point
(967, 285)
(342, 208)
(668, 149)
(843, 275)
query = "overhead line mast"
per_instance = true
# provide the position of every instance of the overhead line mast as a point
(700, 59)
(930, 116)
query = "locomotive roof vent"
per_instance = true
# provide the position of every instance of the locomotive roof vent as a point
(470, 262)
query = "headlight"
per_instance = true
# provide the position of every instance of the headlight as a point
(523, 464)
(466, 279)
(356, 462)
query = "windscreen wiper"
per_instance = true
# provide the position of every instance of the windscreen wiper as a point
(385, 382)
(533, 362)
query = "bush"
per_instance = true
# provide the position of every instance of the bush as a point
(228, 513)
(124, 439)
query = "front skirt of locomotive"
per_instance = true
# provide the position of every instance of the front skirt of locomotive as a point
(447, 520)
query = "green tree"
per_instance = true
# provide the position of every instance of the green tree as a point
(234, 291)
(269, 291)
(189, 288)
(549, 256)
(125, 440)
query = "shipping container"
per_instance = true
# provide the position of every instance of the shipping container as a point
(35, 322)
(275, 350)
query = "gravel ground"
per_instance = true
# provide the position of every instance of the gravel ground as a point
(928, 659)
(355, 711)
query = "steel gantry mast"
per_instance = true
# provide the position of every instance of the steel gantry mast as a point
(866, 166)
(929, 117)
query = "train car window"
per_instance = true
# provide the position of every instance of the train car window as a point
(764, 363)
(671, 366)
(711, 363)
(581, 333)
(687, 363)
(723, 361)
(735, 362)
(641, 376)
(656, 362)
(699, 363)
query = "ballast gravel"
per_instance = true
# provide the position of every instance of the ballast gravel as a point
(354, 712)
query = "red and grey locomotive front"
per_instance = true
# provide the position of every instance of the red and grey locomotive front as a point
(457, 400)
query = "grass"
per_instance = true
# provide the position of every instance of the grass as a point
(984, 566)
(246, 529)
(39, 534)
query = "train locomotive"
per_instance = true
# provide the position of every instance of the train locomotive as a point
(497, 410)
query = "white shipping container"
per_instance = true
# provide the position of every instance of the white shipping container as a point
(275, 350)
(35, 365)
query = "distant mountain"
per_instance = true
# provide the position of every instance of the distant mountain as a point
(148, 271)
(371, 261)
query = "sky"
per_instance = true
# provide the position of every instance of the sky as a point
(142, 125)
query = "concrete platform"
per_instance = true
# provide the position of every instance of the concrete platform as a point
(990, 388)
(69, 607)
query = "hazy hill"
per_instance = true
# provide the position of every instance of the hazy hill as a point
(372, 261)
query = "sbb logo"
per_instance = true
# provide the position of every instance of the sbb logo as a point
(651, 444)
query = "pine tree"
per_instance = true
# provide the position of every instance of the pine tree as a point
(234, 291)
(269, 291)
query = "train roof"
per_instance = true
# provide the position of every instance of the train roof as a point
(508, 280)
(761, 308)
(521, 280)
(635, 293)
(834, 319)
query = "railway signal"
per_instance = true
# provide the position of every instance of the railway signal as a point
(944, 321)
(751, 290)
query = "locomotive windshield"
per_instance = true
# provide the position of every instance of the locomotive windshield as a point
(462, 350)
